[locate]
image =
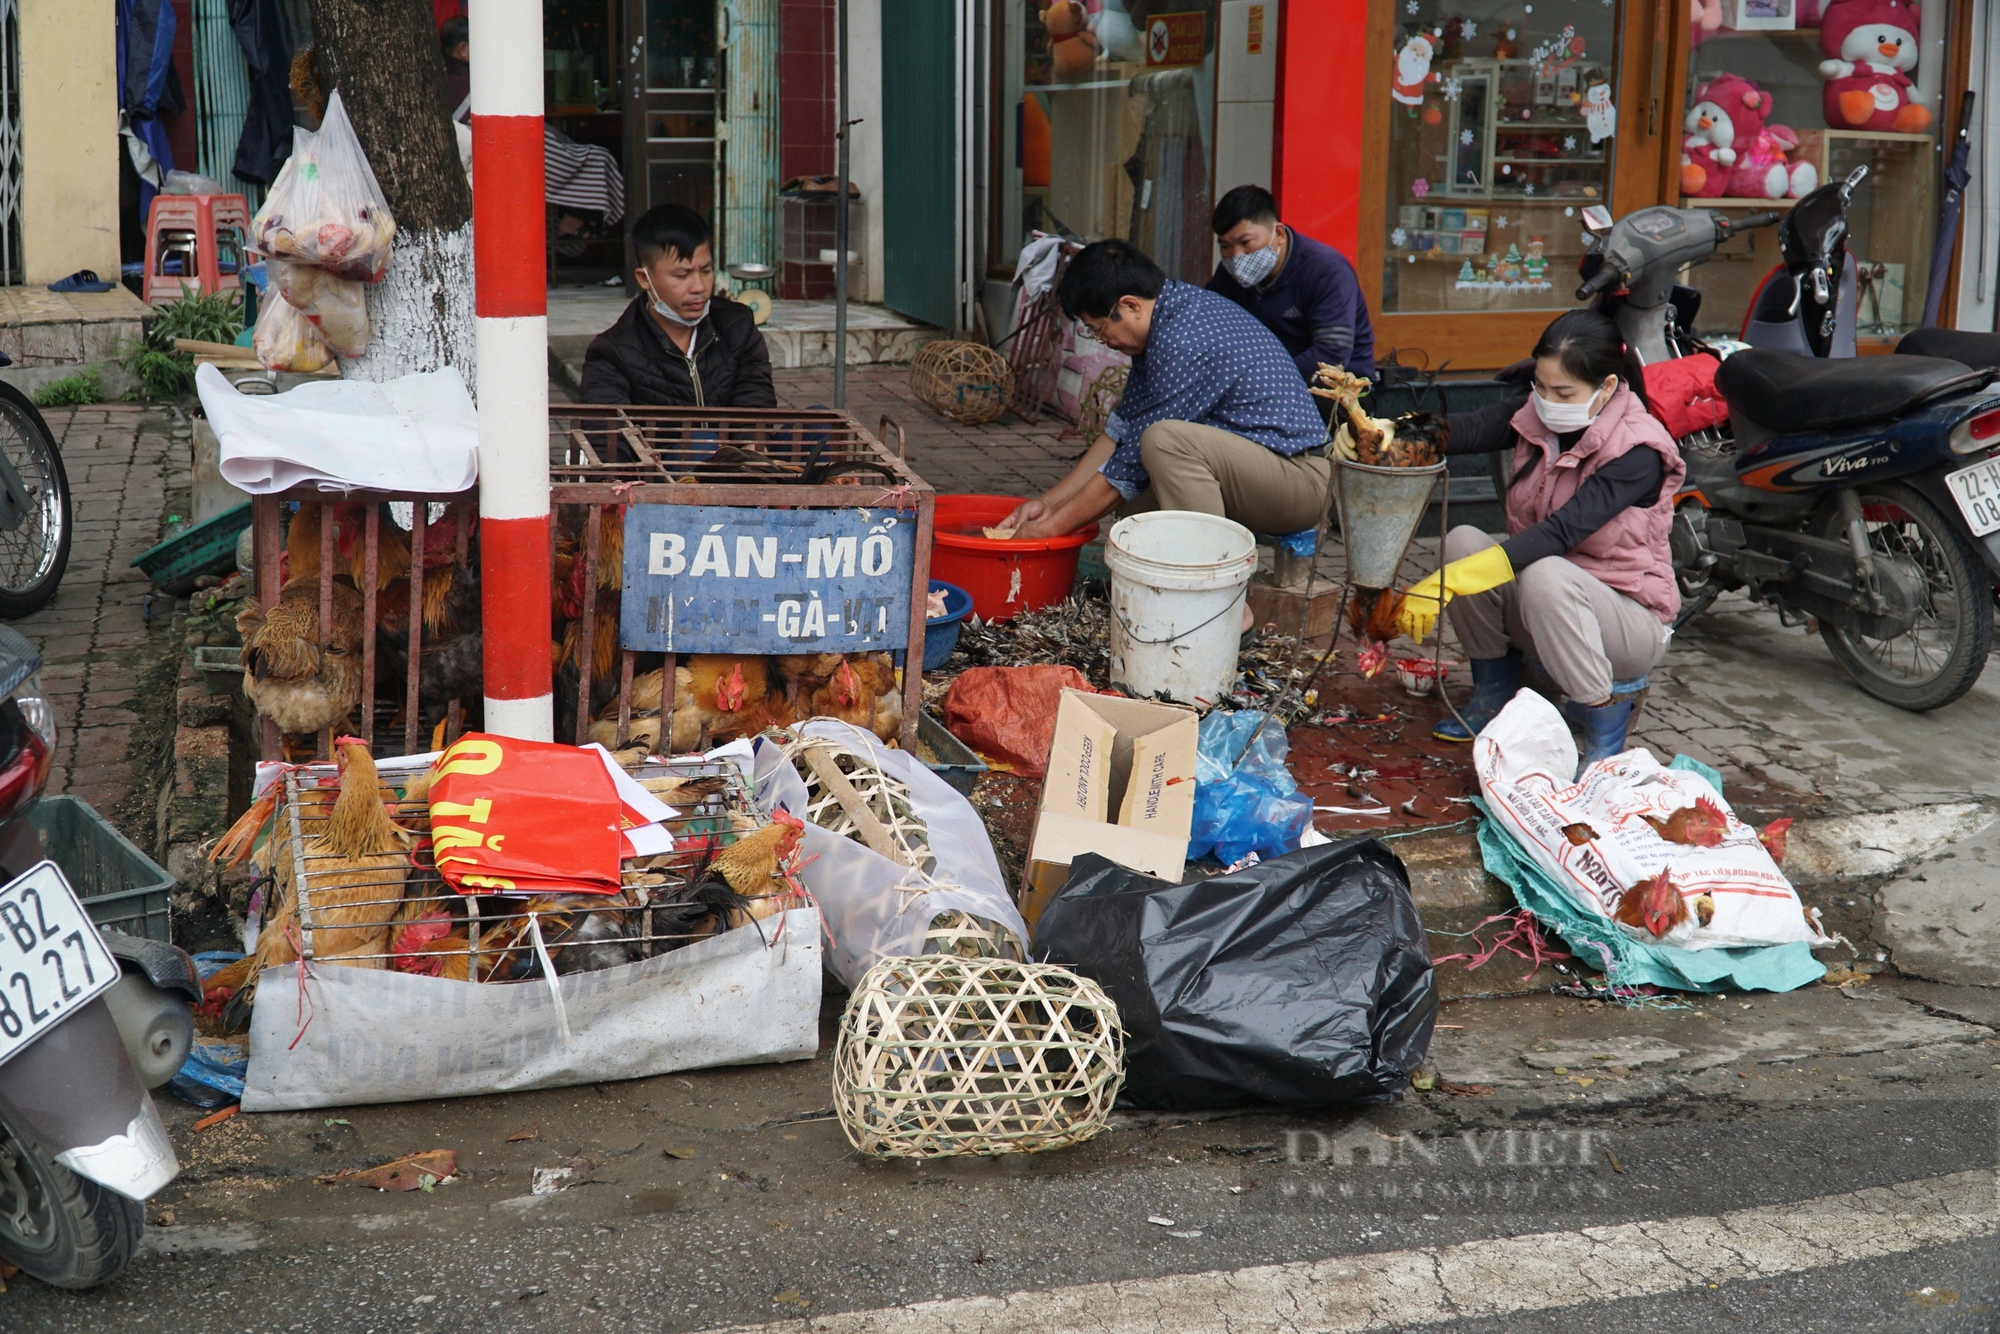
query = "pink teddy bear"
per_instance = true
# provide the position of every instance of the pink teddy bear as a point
(1731, 110)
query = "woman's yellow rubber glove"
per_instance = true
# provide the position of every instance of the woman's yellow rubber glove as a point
(1477, 573)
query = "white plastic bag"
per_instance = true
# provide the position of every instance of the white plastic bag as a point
(1524, 759)
(874, 908)
(325, 207)
(337, 307)
(285, 340)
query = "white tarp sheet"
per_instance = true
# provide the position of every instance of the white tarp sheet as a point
(419, 433)
(371, 1036)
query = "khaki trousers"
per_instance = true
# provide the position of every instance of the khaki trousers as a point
(1585, 633)
(1212, 471)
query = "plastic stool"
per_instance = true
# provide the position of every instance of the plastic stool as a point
(194, 240)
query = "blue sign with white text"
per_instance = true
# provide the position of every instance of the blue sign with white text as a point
(717, 579)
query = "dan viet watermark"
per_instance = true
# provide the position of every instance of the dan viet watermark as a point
(1508, 1168)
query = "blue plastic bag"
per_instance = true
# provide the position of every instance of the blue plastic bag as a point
(212, 1075)
(1254, 806)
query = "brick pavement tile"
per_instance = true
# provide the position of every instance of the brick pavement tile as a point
(104, 715)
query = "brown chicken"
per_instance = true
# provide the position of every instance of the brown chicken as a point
(286, 674)
(1702, 825)
(1655, 907)
(356, 868)
(759, 865)
(1371, 613)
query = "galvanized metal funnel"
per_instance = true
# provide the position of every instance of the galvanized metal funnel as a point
(1379, 512)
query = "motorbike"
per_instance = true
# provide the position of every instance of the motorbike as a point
(1860, 494)
(35, 507)
(89, 1021)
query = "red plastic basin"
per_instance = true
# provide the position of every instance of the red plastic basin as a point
(1004, 578)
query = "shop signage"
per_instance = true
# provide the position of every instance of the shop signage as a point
(716, 579)
(1175, 39)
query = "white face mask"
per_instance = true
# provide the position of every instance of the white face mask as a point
(672, 316)
(1253, 266)
(1563, 418)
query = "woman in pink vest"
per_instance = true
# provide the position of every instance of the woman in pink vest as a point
(1584, 582)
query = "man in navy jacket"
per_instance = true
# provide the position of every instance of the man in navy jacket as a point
(1304, 292)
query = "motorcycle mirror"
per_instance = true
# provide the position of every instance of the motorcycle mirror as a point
(1597, 218)
(1854, 178)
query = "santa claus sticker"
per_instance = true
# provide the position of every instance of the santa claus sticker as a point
(1413, 70)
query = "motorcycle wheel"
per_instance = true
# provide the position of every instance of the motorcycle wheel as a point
(61, 1228)
(34, 554)
(1941, 656)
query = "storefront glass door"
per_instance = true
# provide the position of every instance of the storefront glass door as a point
(1502, 131)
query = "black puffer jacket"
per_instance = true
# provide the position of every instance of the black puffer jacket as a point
(634, 362)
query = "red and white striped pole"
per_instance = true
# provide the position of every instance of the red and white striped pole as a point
(510, 297)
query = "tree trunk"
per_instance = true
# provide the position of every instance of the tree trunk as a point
(383, 58)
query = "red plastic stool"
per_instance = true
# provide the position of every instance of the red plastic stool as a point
(195, 240)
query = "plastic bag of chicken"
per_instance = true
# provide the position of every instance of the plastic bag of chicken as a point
(285, 340)
(326, 208)
(337, 307)
(1652, 849)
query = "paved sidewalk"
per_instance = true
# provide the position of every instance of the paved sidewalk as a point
(120, 460)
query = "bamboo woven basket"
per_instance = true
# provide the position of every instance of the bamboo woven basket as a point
(967, 382)
(941, 1056)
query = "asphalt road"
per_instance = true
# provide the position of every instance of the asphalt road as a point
(727, 1198)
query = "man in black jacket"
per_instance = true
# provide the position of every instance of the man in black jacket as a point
(675, 345)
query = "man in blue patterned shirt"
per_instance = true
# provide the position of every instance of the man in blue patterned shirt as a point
(1214, 417)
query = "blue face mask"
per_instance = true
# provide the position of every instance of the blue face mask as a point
(1254, 266)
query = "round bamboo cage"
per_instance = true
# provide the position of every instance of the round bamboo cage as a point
(967, 382)
(1100, 400)
(941, 1056)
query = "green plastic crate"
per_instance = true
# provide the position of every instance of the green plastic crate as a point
(121, 887)
(207, 548)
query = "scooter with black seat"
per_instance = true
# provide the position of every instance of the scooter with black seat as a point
(1862, 493)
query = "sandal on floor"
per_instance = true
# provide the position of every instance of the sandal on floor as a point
(83, 280)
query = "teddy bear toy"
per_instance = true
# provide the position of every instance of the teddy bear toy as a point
(1073, 47)
(1732, 150)
(1871, 50)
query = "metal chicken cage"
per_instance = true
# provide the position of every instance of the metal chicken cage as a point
(417, 922)
(605, 457)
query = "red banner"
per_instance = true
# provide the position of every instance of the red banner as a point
(526, 817)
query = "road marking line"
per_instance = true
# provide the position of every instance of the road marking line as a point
(1486, 1278)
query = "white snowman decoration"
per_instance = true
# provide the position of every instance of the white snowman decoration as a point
(1598, 113)
(1708, 126)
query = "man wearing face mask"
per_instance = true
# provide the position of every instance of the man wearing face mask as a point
(1584, 582)
(1304, 292)
(676, 345)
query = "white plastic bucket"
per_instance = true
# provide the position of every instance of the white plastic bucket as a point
(1177, 587)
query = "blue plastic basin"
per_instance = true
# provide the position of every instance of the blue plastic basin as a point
(941, 632)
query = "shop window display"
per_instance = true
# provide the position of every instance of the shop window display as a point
(1785, 94)
(1113, 127)
(1501, 134)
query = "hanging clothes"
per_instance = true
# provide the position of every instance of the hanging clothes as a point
(148, 89)
(266, 140)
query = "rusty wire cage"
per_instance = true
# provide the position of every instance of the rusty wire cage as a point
(393, 910)
(602, 457)
(605, 456)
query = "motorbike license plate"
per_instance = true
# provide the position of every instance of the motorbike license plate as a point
(1977, 491)
(52, 961)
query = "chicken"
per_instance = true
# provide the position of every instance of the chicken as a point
(1578, 834)
(453, 642)
(1702, 825)
(287, 675)
(887, 720)
(685, 791)
(582, 933)
(1655, 907)
(730, 697)
(1371, 613)
(1773, 838)
(356, 868)
(851, 691)
(752, 864)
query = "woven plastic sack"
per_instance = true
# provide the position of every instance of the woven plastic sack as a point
(285, 340)
(874, 908)
(1009, 713)
(325, 207)
(337, 307)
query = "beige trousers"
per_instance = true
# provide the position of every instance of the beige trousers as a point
(1585, 633)
(1212, 471)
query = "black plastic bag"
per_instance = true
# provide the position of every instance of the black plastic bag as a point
(1304, 980)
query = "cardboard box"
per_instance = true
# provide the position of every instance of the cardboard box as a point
(1111, 754)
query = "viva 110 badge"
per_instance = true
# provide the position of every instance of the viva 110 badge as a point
(718, 579)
